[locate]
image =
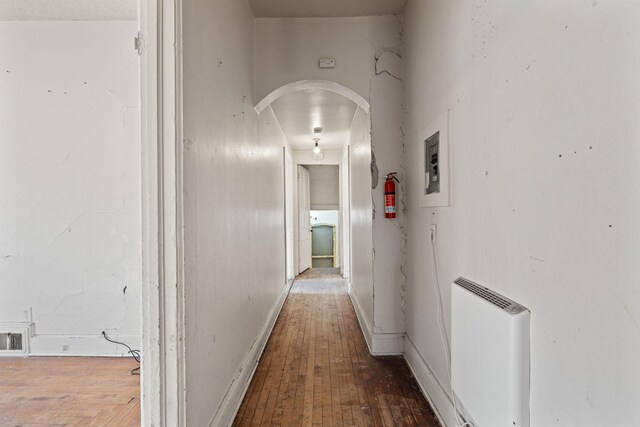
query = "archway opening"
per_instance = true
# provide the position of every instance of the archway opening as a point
(323, 123)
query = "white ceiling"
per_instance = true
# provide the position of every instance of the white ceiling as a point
(299, 112)
(68, 10)
(324, 8)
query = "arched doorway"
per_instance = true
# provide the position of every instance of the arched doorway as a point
(298, 108)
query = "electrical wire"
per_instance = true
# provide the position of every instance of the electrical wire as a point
(442, 330)
(134, 353)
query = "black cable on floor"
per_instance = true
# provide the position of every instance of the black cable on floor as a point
(134, 353)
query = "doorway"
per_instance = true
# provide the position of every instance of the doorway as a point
(322, 124)
(71, 193)
(319, 197)
(320, 233)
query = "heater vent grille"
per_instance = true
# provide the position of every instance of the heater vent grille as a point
(490, 296)
(11, 341)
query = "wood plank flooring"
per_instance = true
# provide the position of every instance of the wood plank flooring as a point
(316, 369)
(69, 391)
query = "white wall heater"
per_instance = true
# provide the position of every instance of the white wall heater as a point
(489, 356)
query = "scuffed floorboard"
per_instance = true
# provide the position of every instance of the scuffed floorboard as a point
(82, 391)
(316, 369)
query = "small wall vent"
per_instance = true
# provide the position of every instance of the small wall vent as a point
(14, 339)
(11, 341)
(491, 296)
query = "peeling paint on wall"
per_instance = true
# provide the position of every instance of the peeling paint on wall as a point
(70, 183)
(387, 142)
(524, 89)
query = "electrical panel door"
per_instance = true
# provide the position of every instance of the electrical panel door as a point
(432, 164)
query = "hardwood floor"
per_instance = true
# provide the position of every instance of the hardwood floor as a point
(74, 391)
(316, 369)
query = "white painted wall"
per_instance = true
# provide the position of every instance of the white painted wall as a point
(288, 49)
(388, 234)
(70, 184)
(325, 217)
(233, 211)
(325, 188)
(305, 157)
(361, 222)
(367, 52)
(68, 10)
(545, 190)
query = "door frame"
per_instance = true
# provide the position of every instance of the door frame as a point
(162, 374)
(299, 235)
(289, 223)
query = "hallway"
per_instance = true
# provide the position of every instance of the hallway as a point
(316, 369)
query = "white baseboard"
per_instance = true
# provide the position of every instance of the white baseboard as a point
(237, 389)
(387, 344)
(429, 384)
(70, 345)
(365, 324)
(82, 345)
(379, 344)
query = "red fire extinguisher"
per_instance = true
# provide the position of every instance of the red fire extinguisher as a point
(390, 195)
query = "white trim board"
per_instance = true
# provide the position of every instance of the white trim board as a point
(82, 345)
(162, 374)
(238, 388)
(313, 84)
(385, 344)
(379, 344)
(431, 388)
(365, 324)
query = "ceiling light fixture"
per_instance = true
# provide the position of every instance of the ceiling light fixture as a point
(317, 131)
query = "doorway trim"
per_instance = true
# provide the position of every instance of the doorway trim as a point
(162, 375)
(313, 84)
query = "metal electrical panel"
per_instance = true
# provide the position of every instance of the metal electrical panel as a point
(434, 188)
(432, 164)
